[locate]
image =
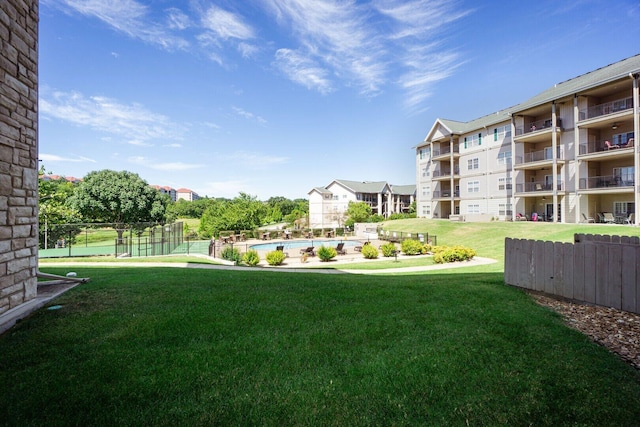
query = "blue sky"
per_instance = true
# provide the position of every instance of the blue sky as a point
(275, 97)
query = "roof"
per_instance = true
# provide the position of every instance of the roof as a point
(610, 73)
(320, 190)
(403, 190)
(362, 186)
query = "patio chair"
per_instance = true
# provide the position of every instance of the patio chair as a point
(340, 249)
(609, 218)
(630, 219)
(589, 219)
(359, 247)
(609, 146)
(600, 217)
(309, 251)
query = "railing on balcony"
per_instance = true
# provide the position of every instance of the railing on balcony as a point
(607, 108)
(443, 151)
(538, 125)
(538, 156)
(599, 146)
(606, 181)
(529, 187)
(445, 193)
(446, 172)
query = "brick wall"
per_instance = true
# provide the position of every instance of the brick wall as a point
(18, 151)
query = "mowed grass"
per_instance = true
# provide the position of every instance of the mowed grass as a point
(166, 346)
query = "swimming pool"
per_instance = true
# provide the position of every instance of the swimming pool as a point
(295, 244)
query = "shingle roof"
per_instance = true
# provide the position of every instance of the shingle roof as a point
(403, 190)
(363, 186)
(609, 73)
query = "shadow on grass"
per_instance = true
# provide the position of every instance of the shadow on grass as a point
(199, 347)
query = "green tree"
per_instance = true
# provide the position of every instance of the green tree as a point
(357, 212)
(56, 217)
(119, 198)
(244, 212)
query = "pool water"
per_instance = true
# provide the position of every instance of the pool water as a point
(295, 244)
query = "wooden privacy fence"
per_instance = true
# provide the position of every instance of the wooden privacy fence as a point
(601, 270)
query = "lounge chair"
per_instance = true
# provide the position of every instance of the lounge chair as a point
(609, 218)
(309, 251)
(630, 219)
(589, 219)
(609, 146)
(340, 249)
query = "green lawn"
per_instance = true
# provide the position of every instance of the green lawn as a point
(166, 346)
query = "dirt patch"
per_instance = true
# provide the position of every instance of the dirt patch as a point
(617, 330)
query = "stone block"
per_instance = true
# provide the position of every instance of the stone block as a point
(16, 299)
(21, 231)
(16, 265)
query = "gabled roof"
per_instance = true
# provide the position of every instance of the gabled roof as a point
(610, 73)
(320, 190)
(362, 186)
(403, 190)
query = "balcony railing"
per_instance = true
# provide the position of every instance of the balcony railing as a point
(606, 181)
(537, 126)
(446, 172)
(607, 108)
(538, 156)
(445, 193)
(531, 187)
(599, 146)
(443, 151)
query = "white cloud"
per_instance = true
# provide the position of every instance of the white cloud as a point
(226, 24)
(133, 122)
(302, 70)
(173, 145)
(177, 19)
(55, 158)
(127, 16)
(249, 116)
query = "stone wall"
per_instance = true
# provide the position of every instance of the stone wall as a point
(18, 152)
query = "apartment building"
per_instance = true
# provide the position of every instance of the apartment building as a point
(566, 155)
(169, 191)
(186, 194)
(328, 205)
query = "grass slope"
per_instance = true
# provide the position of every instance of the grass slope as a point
(168, 346)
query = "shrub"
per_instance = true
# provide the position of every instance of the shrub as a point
(388, 249)
(327, 253)
(275, 257)
(231, 254)
(369, 252)
(412, 247)
(251, 258)
(444, 254)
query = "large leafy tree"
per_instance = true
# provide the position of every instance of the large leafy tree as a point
(56, 217)
(244, 212)
(119, 198)
(358, 212)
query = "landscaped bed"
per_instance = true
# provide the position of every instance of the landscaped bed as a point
(163, 346)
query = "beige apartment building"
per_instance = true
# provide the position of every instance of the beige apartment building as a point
(566, 155)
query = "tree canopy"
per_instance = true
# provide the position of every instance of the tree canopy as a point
(118, 197)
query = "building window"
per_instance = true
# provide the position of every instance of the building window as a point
(505, 209)
(504, 183)
(335, 197)
(473, 164)
(501, 132)
(425, 171)
(424, 153)
(504, 158)
(474, 209)
(623, 208)
(473, 187)
(473, 141)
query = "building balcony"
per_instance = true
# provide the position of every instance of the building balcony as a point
(445, 194)
(538, 126)
(538, 187)
(610, 182)
(619, 105)
(445, 152)
(445, 173)
(599, 147)
(538, 158)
